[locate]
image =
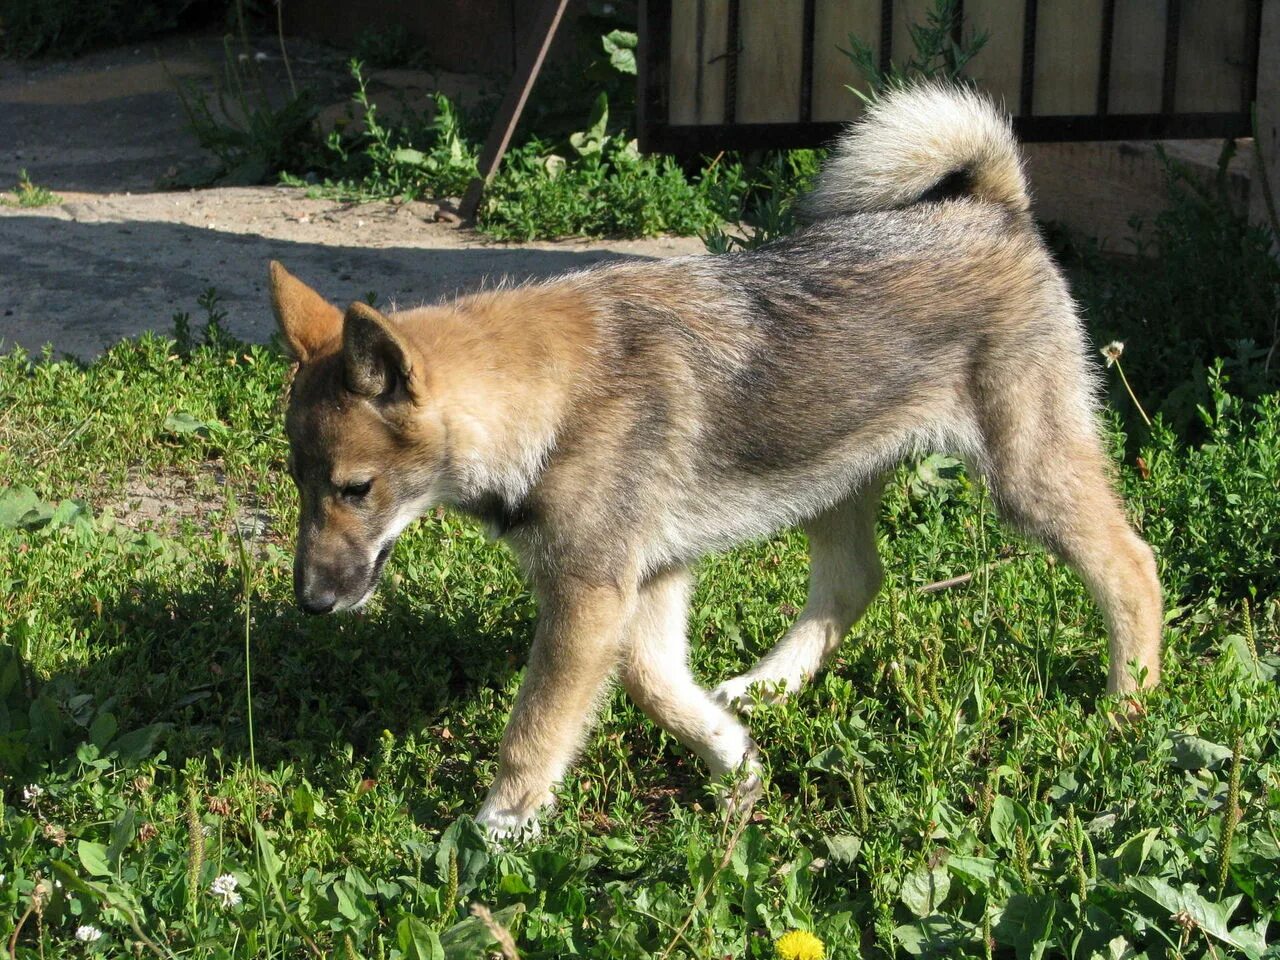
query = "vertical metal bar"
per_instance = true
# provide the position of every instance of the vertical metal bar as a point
(733, 37)
(957, 30)
(886, 35)
(1104, 55)
(504, 124)
(700, 56)
(653, 67)
(644, 68)
(1253, 52)
(1027, 98)
(806, 61)
(1169, 86)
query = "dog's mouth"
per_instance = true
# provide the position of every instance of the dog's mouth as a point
(375, 574)
(346, 598)
(380, 560)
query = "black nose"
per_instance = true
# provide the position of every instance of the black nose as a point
(320, 603)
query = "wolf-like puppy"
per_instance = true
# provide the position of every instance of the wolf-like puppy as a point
(614, 425)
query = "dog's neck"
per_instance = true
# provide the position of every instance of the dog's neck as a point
(503, 370)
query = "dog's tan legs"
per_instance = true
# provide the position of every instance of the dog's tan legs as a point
(656, 675)
(1059, 493)
(576, 647)
(844, 577)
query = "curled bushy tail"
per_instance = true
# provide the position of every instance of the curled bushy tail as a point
(929, 141)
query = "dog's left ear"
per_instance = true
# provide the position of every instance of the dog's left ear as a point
(377, 360)
(308, 322)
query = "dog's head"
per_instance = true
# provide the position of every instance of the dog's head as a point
(366, 452)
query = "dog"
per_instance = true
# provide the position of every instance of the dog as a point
(614, 425)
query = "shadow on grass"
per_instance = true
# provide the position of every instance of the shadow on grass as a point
(173, 661)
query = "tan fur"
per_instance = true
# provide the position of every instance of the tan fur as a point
(614, 426)
(309, 324)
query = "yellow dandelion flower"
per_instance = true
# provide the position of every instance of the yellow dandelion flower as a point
(800, 945)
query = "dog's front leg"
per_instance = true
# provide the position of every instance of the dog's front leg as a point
(575, 648)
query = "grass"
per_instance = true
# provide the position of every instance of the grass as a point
(189, 767)
(954, 785)
(27, 194)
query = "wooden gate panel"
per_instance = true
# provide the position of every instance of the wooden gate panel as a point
(1068, 55)
(833, 71)
(998, 67)
(1211, 67)
(736, 74)
(772, 44)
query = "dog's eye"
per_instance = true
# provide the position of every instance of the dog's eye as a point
(357, 491)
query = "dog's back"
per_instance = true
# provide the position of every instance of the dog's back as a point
(751, 391)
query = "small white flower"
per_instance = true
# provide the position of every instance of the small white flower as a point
(1112, 351)
(224, 884)
(31, 793)
(224, 888)
(260, 57)
(88, 933)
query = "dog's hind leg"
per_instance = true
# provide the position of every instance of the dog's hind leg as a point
(844, 577)
(656, 675)
(1048, 472)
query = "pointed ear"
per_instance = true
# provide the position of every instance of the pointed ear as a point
(376, 359)
(308, 322)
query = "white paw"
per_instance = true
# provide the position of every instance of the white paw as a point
(744, 692)
(733, 694)
(747, 789)
(508, 827)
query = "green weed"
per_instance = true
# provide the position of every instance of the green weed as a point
(602, 186)
(27, 194)
(252, 136)
(953, 786)
(937, 52)
(1206, 285)
(766, 206)
(389, 47)
(377, 162)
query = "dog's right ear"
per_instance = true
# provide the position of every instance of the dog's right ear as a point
(308, 322)
(377, 360)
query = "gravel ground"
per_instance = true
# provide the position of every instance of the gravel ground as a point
(118, 257)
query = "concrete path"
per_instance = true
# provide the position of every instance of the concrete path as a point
(84, 274)
(116, 257)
